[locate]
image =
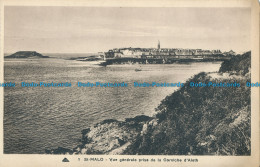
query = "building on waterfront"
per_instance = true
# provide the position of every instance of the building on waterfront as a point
(162, 53)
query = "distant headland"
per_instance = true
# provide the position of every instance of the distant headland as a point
(26, 54)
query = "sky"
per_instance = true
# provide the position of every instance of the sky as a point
(60, 29)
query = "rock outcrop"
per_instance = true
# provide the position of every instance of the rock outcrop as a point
(106, 137)
(26, 54)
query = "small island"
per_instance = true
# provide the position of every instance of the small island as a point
(26, 54)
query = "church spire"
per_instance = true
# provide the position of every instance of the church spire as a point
(158, 47)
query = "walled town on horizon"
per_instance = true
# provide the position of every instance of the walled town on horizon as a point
(162, 53)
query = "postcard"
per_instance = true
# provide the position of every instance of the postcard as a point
(130, 83)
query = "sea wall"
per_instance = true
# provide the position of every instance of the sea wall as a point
(192, 120)
(161, 60)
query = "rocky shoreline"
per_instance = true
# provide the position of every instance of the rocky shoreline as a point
(107, 136)
(191, 121)
(159, 60)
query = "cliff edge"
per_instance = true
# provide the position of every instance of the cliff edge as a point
(203, 120)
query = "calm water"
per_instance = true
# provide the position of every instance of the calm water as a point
(36, 119)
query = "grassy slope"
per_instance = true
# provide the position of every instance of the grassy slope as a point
(203, 120)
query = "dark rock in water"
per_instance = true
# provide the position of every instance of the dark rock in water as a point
(139, 118)
(26, 54)
(107, 121)
(85, 131)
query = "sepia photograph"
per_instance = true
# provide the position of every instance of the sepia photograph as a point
(129, 81)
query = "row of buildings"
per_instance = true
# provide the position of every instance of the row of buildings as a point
(163, 53)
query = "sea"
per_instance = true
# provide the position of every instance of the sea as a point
(40, 118)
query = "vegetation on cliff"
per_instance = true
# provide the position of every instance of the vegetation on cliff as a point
(203, 120)
(240, 64)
